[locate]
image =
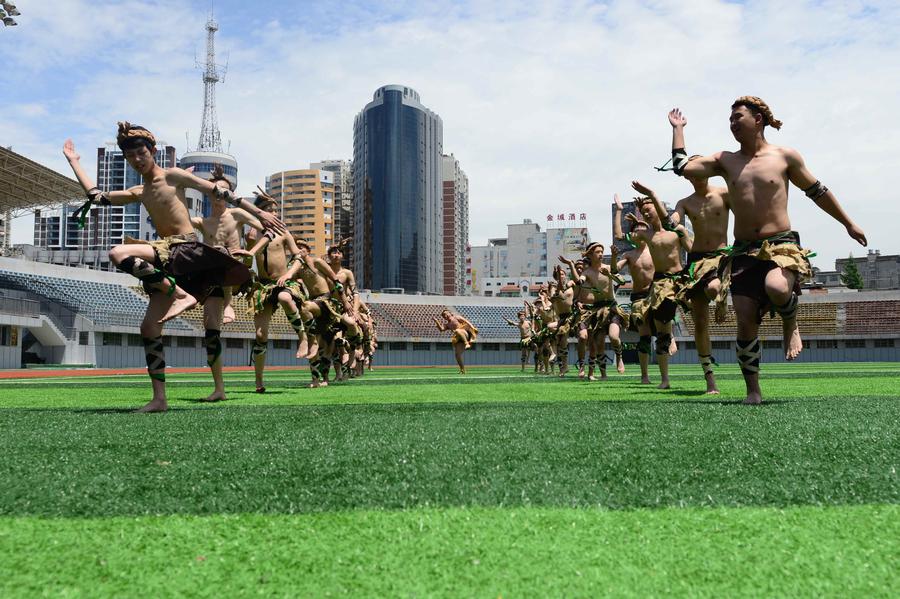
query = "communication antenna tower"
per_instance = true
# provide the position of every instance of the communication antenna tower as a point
(210, 139)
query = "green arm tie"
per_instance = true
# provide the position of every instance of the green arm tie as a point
(80, 215)
(629, 241)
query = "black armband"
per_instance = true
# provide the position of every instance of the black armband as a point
(679, 161)
(98, 197)
(815, 191)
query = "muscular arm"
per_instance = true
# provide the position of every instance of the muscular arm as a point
(116, 198)
(325, 270)
(245, 218)
(800, 176)
(617, 220)
(677, 215)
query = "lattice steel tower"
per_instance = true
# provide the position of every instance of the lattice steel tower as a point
(210, 140)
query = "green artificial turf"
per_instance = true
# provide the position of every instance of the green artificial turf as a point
(394, 484)
(530, 552)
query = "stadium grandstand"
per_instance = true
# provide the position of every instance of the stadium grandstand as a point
(25, 185)
(64, 315)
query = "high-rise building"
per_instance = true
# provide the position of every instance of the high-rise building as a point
(105, 226)
(397, 200)
(343, 201)
(456, 225)
(306, 205)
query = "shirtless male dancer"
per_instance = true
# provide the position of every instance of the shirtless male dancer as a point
(601, 314)
(767, 263)
(708, 210)
(221, 229)
(177, 271)
(640, 267)
(322, 312)
(274, 287)
(525, 332)
(563, 300)
(665, 250)
(578, 324)
(463, 336)
(350, 323)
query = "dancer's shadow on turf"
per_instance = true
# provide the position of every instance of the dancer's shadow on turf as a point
(727, 402)
(100, 411)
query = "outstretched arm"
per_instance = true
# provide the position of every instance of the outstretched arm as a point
(818, 193)
(617, 219)
(440, 325)
(117, 198)
(245, 218)
(702, 166)
(660, 209)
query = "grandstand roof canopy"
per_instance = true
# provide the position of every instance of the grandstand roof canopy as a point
(26, 184)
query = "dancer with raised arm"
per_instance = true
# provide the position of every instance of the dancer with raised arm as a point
(177, 271)
(222, 229)
(665, 250)
(640, 267)
(767, 263)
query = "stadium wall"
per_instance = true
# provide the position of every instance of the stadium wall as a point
(861, 326)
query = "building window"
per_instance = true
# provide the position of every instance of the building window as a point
(771, 344)
(232, 343)
(186, 342)
(421, 346)
(854, 343)
(112, 338)
(884, 343)
(281, 344)
(397, 345)
(722, 345)
(490, 347)
(83, 338)
(135, 340)
(826, 343)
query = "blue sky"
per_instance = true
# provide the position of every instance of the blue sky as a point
(549, 105)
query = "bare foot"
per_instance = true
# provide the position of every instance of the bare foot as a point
(592, 378)
(157, 404)
(753, 399)
(793, 345)
(645, 380)
(581, 372)
(711, 388)
(317, 384)
(663, 385)
(215, 396)
(182, 301)
(260, 389)
(302, 347)
(228, 314)
(620, 365)
(313, 349)
(673, 347)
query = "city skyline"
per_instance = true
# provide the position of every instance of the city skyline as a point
(565, 121)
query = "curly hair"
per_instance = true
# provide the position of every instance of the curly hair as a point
(757, 105)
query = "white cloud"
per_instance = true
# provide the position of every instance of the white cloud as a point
(548, 106)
